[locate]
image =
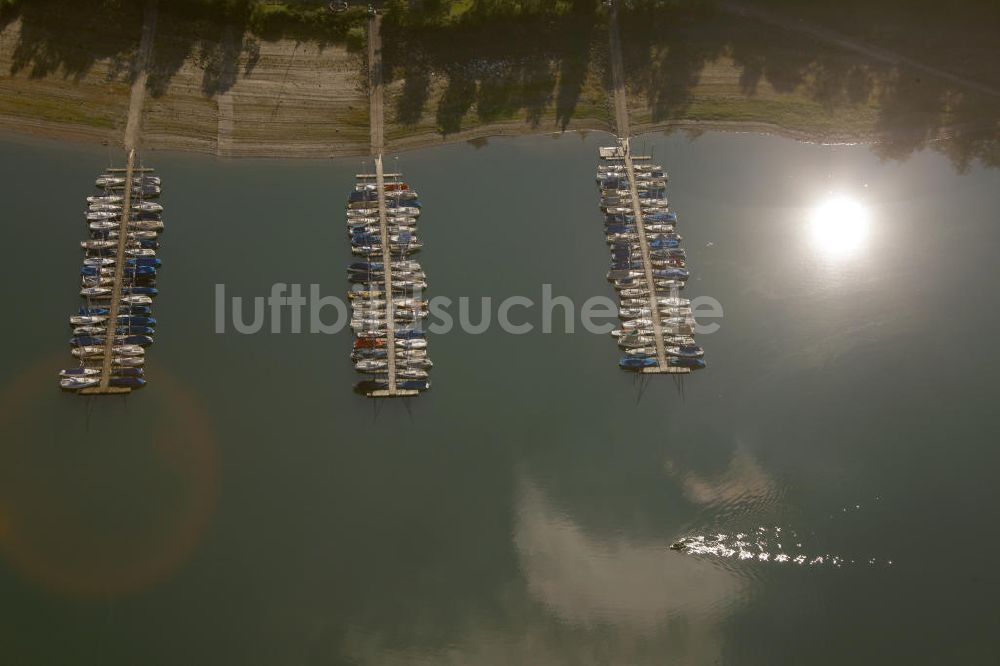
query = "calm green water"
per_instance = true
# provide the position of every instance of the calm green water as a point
(247, 508)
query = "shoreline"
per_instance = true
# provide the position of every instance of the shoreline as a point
(112, 137)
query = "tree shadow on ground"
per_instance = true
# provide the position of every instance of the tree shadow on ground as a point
(504, 68)
(668, 48)
(71, 36)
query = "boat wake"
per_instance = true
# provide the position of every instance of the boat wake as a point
(772, 545)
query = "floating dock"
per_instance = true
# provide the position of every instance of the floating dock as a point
(115, 325)
(386, 303)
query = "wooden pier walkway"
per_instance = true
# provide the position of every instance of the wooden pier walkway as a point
(376, 121)
(133, 129)
(622, 123)
(110, 332)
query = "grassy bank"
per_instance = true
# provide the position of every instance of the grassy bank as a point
(287, 77)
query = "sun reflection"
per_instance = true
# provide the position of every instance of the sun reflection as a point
(838, 226)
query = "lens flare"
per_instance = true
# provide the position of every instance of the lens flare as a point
(839, 227)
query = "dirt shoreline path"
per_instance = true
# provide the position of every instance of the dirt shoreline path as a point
(845, 42)
(133, 129)
(376, 112)
(618, 75)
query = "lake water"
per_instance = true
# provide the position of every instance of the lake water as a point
(248, 508)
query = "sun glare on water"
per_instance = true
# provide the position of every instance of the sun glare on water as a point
(838, 227)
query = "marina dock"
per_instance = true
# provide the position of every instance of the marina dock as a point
(114, 327)
(116, 291)
(394, 356)
(637, 218)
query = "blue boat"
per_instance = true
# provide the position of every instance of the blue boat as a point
(79, 372)
(127, 372)
(129, 270)
(686, 351)
(634, 363)
(144, 261)
(409, 334)
(668, 218)
(414, 384)
(148, 291)
(365, 266)
(620, 229)
(667, 253)
(661, 243)
(122, 311)
(683, 362)
(130, 382)
(140, 320)
(98, 340)
(671, 273)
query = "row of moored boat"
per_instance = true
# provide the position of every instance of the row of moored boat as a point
(371, 296)
(134, 326)
(668, 270)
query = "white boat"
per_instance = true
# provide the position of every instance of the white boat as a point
(77, 383)
(95, 291)
(146, 225)
(105, 198)
(371, 364)
(403, 210)
(103, 225)
(89, 281)
(98, 244)
(89, 330)
(102, 215)
(416, 363)
(636, 323)
(622, 332)
(103, 206)
(148, 207)
(136, 299)
(86, 320)
(106, 181)
(138, 251)
(641, 352)
(98, 261)
(89, 351)
(415, 343)
(128, 361)
(128, 350)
